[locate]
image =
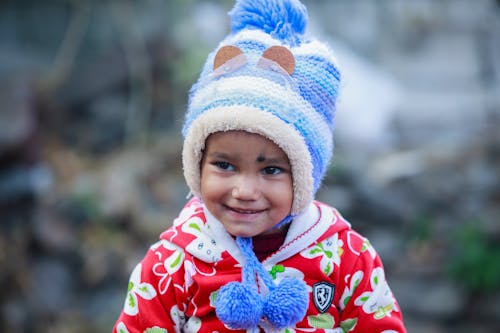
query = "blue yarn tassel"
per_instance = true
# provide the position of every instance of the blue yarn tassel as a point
(287, 303)
(283, 19)
(240, 306)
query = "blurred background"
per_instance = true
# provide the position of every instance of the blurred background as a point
(92, 98)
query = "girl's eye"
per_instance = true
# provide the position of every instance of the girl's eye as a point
(272, 170)
(224, 166)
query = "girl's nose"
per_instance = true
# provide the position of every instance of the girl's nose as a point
(246, 188)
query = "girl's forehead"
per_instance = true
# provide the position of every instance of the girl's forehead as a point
(242, 141)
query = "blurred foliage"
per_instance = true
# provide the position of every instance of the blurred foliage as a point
(475, 263)
(421, 230)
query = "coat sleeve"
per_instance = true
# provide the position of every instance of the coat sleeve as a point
(155, 294)
(367, 303)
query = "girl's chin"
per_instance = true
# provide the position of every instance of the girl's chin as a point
(242, 234)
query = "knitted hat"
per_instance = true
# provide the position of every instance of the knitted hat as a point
(266, 78)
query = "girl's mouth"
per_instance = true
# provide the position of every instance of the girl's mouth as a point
(245, 211)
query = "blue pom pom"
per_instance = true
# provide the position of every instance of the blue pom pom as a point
(238, 307)
(287, 303)
(283, 19)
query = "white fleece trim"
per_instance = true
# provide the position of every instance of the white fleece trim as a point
(252, 120)
(305, 229)
(224, 239)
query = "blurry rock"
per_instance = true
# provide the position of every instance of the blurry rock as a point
(433, 299)
(21, 181)
(104, 305)
(17, 119)
(119, 178)
(491, 308)
(91, 79)
(14, 314)
(414, 325)
(53, 285)
(369, 98)
(388, 245)
(54, 233)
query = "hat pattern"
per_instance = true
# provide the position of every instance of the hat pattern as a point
(266, 78)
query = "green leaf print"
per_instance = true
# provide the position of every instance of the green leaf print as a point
(356, 284)
(375, 279)
(348, 324)
(131, 300)
(176, 261)
(195, 226)
(316, 250)
(155, 329)
(275, 270)
(346, 300)
(130, 286)
(383, 311)
(328, 268)
(366, 245)
(213, 297)
(324, 320)
(143, 289)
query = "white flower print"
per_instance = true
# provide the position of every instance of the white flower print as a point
(203, 246)
(165, 268)
(178, 317)
(380, 300)
(136, 287)
(329, 250)
(367, 246)
(193, 325)
(121, 328)
(189, 272)
(279, 272)
(186, 213)
(351, 288)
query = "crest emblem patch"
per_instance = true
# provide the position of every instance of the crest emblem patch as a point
(323, 295)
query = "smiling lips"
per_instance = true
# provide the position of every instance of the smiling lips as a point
(245, 211)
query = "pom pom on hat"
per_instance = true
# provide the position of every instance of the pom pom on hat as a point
(283, 20)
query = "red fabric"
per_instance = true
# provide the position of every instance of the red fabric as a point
(265, 245)
(174, 290)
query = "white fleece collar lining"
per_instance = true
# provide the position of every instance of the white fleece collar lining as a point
(309, 225)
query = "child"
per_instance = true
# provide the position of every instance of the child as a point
(253, 251)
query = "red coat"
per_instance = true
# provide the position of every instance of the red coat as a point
(173, 288)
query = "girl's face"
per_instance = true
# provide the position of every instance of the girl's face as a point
(246, 182)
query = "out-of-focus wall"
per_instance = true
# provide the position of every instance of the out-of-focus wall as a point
(92, 97)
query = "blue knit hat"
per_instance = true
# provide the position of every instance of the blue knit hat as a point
(266, 78)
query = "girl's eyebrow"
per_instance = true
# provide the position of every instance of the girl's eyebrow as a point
(272, 160)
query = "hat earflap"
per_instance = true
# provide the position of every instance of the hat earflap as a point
(240, 306)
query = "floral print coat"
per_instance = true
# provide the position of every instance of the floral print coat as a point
(174, 287)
